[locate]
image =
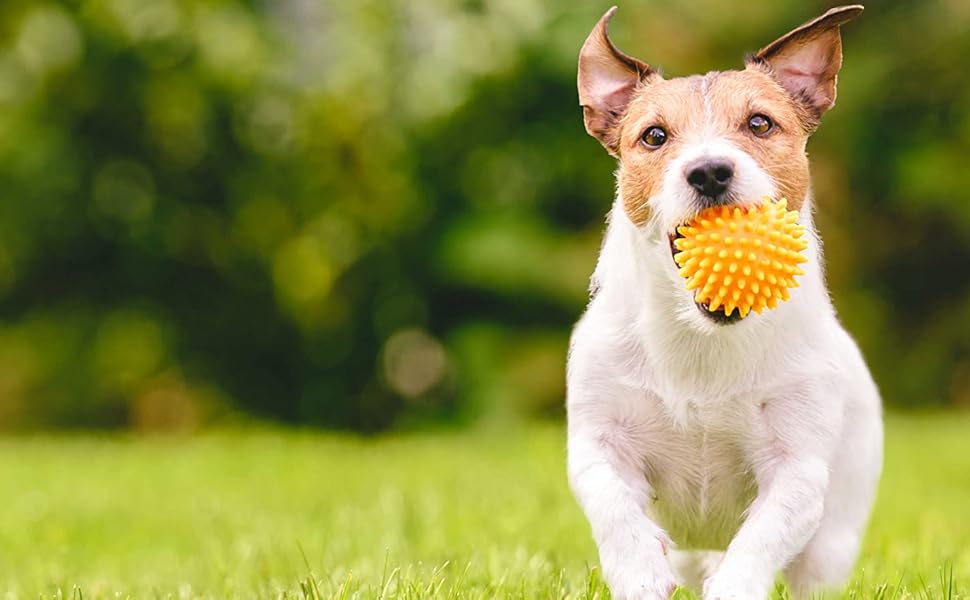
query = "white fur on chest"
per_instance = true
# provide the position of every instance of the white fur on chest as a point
(700, 475)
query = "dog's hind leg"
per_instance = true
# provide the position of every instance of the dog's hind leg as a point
(826, 563)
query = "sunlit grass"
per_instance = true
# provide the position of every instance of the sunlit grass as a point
(443, 515)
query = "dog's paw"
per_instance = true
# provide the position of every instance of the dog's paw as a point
(643, 585)
(734, 586)
(640, 571)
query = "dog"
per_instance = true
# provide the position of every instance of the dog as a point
(705, 449)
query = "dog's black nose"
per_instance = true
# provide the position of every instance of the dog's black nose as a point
(710, 177)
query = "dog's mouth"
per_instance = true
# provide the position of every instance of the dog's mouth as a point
(718, 316)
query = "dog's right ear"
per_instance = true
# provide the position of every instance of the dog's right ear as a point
(607, 80)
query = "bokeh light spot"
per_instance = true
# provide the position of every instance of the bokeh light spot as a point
(414, 362)
(302, 271)
(124, 190)
(48, 40)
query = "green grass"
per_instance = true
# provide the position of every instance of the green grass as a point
(469, 515)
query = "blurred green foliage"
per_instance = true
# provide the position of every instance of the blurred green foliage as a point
(363, 214)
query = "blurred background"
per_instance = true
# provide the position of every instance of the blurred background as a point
(383, 214)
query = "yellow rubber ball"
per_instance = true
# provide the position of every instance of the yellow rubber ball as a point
(742, 258)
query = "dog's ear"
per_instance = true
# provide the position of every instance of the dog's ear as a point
(806, 60)
(607, 80)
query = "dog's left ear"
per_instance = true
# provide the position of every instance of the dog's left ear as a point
(806, 60)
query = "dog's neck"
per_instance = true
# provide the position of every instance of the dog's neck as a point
(649, 305)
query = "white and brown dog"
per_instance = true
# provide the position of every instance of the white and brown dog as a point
(753, 446)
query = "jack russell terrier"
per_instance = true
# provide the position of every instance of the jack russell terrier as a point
(707, 449)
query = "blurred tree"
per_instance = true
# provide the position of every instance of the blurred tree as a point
(359, 214)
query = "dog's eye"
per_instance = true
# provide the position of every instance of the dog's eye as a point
(654, 137)
(760, 124)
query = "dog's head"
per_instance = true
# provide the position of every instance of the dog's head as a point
(727, 137)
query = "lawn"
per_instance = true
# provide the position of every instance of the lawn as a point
(471, 515)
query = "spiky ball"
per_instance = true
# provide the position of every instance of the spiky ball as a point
(743, 258)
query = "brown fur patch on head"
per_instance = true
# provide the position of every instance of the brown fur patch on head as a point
(781, 153)
(717, 105)
(675, 105)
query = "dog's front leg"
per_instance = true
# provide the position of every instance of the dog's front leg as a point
(783, 518)
(792, 472)
(607, 477)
